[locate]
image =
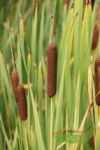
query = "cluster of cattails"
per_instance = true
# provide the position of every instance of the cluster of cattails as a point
(19, 93)
(52, 69)
(97, 81)
(95, 37)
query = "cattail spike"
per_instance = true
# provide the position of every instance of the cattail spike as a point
(95, 37)
(97, 81)
(22, 105)
(52, 69)
(15, 81)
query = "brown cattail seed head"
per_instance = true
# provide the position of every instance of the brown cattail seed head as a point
(22, 102)
(92, 142)
(15, 81)
(97, 81)
(95, 37)
(52, 69)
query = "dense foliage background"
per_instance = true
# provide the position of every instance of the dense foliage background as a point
(25, 27)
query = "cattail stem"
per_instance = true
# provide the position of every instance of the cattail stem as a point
(11, 47)
(97, 81)
(52, 31)
(52, 69)
(22, 105)
(51, 126)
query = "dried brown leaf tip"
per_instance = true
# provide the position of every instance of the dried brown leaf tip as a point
(97, 81)
(52, 69)
(95, 37)
(66, 3)
(15, 81)
(90, 2)
(22, 105)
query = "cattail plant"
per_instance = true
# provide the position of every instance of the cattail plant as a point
(52, 61)
(95, 37)
(15, 81)
(22, 106)
(97, 81)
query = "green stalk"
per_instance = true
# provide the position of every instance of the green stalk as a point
(51, 125)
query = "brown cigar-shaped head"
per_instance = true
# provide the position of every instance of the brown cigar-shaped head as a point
(97, 81)
(22, 105)
(52, 69)
(95, 37)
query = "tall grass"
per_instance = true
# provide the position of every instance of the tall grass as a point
(69, 119)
